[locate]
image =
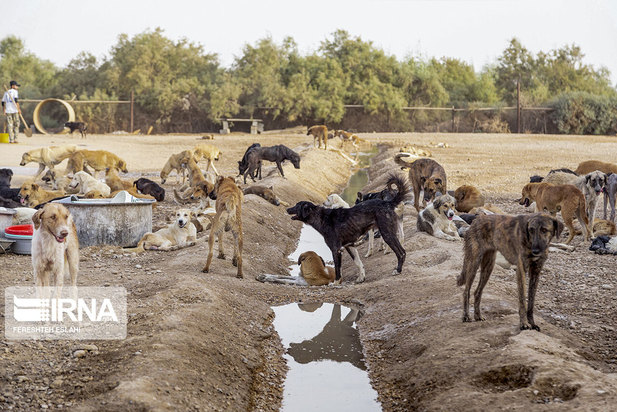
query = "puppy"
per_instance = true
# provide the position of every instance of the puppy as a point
(55, 247)
(436, 219)
(81, 126)
(467, 197)
(87, 183)
(148, 187)
(181, 233)
(313, 272)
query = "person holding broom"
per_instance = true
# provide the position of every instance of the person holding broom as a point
(10, 107)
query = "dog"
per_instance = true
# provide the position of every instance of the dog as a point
(604, 245)
(320, 134)
(348, 137)
(313, 272)
(6, 192)
(148, 187)
(81, 126)
(334, 201)
(425, 175)
(178, 163)
(523, 240)
(228, 216)
(32, 195)
(467, 197)
(23, 215)
(208, 152)
(58, 180)
(178, 234)
(553, 198)
(602, 227)
(589, 166)
(341, 228)
(436, 218)
(47, 156)
(55, 247)
(114, 182)
(262, 191)
(10, 203)
(277, 154)
(99, 160)
(87, 183)
(610, 193)
(244, 163)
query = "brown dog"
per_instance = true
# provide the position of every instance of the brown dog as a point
(552, 198)
(589, 166)
(114, 182)
(99, 160)
(228, 216)
(467, 197)
(313, 272)
(178, 163)
(348, 137)
(425, 175)
(320, 134)
(523, 240)
(33, 195)
(264, 192)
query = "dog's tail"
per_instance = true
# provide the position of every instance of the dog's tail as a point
(400, 160)
(402, 188)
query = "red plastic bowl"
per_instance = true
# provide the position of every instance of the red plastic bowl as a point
(21, 230)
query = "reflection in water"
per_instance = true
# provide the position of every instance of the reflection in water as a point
(324, 355)
(360, 178)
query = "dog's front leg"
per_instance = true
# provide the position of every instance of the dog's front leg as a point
(371, 240)
(278, 165)
(520, 283)
(337, 256)
(534, 276)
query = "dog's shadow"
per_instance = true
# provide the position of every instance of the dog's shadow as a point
(338, 341)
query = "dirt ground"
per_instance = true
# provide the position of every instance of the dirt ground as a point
(206, 342)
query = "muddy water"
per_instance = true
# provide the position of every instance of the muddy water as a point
(324, 355)
(360, 178)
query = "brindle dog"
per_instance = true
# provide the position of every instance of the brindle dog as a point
(523, 240)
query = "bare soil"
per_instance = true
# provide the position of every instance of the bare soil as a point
(205, 341)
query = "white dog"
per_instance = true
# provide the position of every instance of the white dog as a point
(181, 233)
(436, 218)
(87, 183)
(334, 201)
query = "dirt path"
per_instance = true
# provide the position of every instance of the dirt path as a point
(205, 342)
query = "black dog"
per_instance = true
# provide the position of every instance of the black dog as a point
(341, 228)
(244, 163)
(148, 187)
(5, 186)
(386, 194)
(81, 126)
(277, 154)
(10, 203)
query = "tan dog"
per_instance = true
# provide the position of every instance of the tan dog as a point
(349, 137)
(552, 198)
(178, 163)
(47, 156)
(313, 272)
(87, 183)
(487, 209)
(200, 191)
(114, 182)
(425, 175)
(208, 152)
(320, 134)
(181, 233)
(589, 166)
(436, 219)
(264, 192)
(523, 240)
(228, 216)
(55, 247)
(99, 160)
(33, 195)
(467, 197)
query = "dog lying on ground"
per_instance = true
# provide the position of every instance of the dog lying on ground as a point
(610, 193)
(10, 203)
(264, 192)
(47, 156)
(244, 163)
(589, 166)
(313, 272)
(87, 183)
(425, 175)
(148, 187)
(320, 134)
(604, 245)
(334, 201)
(32, 195)
(58, 180)
(228, 216)
(341, 228)
(467, 197)
(523, 240)
(602, 227)
(99, 160)
(277, 154)
(81, 126)
(55, 247)
(179, 234)
(553, 198)
(436, 219)
(115, 182)
(208, 152)
(200, 191)
(6, 192)
(23, 216)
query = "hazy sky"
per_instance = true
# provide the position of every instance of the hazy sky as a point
(476, 31)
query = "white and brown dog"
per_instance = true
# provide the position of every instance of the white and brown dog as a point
(181, 233)
(87, 183)
(436, 218)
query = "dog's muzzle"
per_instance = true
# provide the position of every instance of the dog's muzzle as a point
(181, 223)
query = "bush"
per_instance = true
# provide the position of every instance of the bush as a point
(584, 113)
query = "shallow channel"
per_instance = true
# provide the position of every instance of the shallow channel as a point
(327, 370)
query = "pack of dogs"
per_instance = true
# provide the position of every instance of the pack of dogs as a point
(488, 234)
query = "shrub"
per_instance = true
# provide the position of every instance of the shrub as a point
(584, 113)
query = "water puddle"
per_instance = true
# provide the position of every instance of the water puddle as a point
(360, 178)
(327, 370)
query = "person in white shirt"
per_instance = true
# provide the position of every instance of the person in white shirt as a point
(10, 107)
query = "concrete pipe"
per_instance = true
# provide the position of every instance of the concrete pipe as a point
(37, 110)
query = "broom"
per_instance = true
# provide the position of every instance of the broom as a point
(27, 130)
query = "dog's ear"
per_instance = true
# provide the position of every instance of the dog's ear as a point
(359, 196)
(35, 186)
(437, 202)
(557, 228)
(422, 179)
(10, 172)
(36, 218)
(301, 258)
(588, 178)
(322, 261)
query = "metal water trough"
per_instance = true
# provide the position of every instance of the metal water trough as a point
(110, 221)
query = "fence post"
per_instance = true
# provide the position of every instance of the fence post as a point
(518, 106)
(132, 99)
(453, 119)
